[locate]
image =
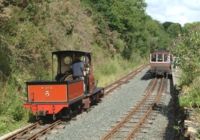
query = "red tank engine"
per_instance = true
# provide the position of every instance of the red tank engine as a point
(65, 92)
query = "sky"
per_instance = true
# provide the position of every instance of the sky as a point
(181, 11)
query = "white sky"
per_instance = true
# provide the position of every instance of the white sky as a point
(181, 11)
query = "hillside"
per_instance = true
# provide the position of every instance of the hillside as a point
(118, 33)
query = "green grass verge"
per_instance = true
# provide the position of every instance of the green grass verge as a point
(108, 68)
(116, 68)
(12, 113)
(191, 97)
(8, 124)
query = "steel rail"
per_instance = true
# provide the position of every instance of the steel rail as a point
(122, 80)
(136, 128)
(22, 132)
(26, 132)
(148, 92)
(44, 131)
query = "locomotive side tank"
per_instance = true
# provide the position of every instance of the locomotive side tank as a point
(65, 92)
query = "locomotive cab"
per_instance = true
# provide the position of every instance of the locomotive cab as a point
(62, 68)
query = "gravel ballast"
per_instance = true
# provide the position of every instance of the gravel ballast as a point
(162, 119)
(94, 124)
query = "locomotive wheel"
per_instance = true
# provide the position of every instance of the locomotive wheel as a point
(101, 95)
(86, 103)
(54, 117)
(67, 114)
(96, 99)
(80, 108)
(41, 121)
(36, 118)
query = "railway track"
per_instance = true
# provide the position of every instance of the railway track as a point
(108, 89)
(35, 130)
(129, 125)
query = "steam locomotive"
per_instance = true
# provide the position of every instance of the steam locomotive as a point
(65, 93)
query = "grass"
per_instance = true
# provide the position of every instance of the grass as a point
(12, 113)
(8, 124)
(191, 94)
(109, 68)
(112, 70)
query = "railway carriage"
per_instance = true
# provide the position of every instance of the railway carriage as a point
(64, 93)
(160, 63)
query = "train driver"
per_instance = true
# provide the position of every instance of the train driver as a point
(77, 68)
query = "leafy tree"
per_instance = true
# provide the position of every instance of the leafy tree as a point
(167, 24)
(139, 31)
(174, 29)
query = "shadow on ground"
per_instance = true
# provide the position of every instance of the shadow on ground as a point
(147, 76)
(174, 115)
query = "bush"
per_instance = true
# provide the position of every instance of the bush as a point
(18, 112)
(4, 60)
(5, 120)
(187, 50)
(192, 97)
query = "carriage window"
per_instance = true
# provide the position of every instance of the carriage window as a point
(160, 58)
(153, 57)
(166, 57)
